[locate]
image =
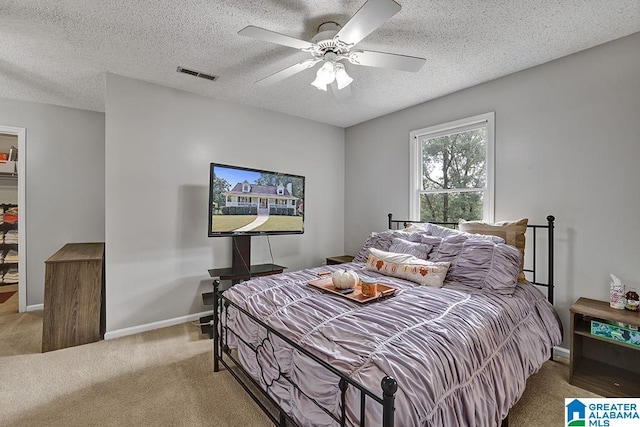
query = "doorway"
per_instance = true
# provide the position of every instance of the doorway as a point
(12, 237)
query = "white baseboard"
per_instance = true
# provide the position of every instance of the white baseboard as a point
(561, 351)
(155, 325)
(35, 307)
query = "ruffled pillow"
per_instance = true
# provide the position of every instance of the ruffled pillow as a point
(480, 263)
(402, 246)
(382, 241)
(442, 232)
(512, 232)
(408, 267)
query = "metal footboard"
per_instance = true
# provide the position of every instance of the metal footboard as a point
(222, 352)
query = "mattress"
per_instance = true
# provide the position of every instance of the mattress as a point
(460, 356)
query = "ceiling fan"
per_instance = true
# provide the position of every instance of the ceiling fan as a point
(334, 43)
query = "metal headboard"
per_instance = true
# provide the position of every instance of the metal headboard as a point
(396, 224)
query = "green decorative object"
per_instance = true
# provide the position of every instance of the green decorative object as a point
(615, 332)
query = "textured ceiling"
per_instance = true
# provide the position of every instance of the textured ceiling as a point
(58, 51)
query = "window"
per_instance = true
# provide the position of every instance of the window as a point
(452, 171)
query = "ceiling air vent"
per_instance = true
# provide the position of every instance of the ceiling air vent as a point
(197, 74)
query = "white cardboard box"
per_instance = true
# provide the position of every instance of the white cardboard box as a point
(7, 166)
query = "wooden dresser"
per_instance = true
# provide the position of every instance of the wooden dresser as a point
(74, 296)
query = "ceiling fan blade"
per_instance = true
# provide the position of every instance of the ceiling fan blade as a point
(386, 60)
(273, 37)
(370, 16)
(287, 72)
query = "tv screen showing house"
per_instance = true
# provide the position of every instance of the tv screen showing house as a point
(254, 201)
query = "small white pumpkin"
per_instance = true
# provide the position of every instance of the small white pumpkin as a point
(344, 279)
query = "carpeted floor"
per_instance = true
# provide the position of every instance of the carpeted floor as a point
(165, 378)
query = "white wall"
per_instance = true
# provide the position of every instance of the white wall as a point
(566, 144)
(159, 143)
(64, 184)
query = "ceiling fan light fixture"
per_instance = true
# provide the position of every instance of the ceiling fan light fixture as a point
(319, 82)
(334, 43)
(325, 75)
(342, 78)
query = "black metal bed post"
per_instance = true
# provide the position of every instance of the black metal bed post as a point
(389, 388)
(216, 285)
(550, 220)
(535, 241)
(390, 216)
(343, 401)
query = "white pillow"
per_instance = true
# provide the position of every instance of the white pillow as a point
(408, 267)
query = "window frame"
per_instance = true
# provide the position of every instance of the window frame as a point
(460, 125)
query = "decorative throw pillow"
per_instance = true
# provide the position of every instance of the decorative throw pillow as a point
(440, 231)
(408, 267)
(446, 249)
(382, 241)
(482, 264)
(435, 230)
(513, 233)
(402, 246)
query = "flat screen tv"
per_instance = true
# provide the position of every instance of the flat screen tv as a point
(245, 201)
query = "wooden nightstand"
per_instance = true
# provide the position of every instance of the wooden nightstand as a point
(332, 260)
(601, 365)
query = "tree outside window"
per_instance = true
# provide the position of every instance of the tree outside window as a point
(452, 171)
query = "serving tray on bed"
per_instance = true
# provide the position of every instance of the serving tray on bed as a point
(326, 284)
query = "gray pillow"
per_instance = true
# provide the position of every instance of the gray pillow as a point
(382, 241)
(433, 242)
(403, 246)
(480, 263)
(445, 249)
(440, 231)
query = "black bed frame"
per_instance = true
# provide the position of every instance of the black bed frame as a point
(388, 384)
(396, 224)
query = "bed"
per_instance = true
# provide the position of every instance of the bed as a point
(454, 354)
